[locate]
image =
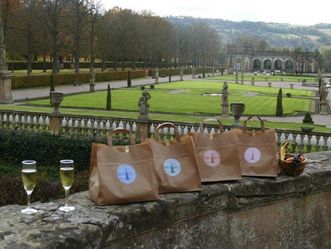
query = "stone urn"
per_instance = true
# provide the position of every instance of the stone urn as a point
(237, 110)
(56, 99)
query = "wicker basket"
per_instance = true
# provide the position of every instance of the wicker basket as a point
(290, 168)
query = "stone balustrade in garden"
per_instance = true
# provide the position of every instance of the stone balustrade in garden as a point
(100, 126)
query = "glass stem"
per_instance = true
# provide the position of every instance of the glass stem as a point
(29, 200)
(66, 192)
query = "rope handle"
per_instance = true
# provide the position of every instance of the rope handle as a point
(122, 131)
(201, 126)
(284, 146)
(249, 118)
(166, 125)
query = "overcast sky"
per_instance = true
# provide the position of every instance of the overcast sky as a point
(302, 12)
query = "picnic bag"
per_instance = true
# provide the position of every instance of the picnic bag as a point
(122, 174)
(216, 155)
(176, 170)
(257, 150)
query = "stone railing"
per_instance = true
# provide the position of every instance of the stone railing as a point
(101, 126)
(282, 213)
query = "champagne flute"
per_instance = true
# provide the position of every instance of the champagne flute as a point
(67, 178)
(29, 173)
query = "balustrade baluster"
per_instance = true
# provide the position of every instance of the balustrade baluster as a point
(130, 123)
(92, 120)
(19, 122)
(308, 146)
(286, 135)
(325, 139)
(302, 145)
(317, 146)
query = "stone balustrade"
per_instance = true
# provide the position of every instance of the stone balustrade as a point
(282, 213)
(101, 126)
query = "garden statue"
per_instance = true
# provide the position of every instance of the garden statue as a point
(323, 93)
(225, 103)
(143, 105)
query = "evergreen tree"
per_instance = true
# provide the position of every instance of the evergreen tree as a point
(108, 105)
(129, 79)
(279, 107)
(308, 119)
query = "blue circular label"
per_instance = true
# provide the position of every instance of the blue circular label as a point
(126, 173)
(172, 167)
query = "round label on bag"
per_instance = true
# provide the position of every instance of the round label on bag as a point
(126, 173)
(172, 167)
(212, 158)
(252, 155)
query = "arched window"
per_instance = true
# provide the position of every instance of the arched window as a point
(278, 65)
(267, 64)
(289, 66)
(257, 65)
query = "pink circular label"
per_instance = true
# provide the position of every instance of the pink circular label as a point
(252, 155)
(212, 158)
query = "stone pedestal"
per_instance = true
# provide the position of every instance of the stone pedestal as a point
(5, 88)
(269, 84)
(291, 86)
(324, 108)
(156, 76)
(54, 124)
(225, 110)
(181, 74)
(193, 73)
(142, 130)
(92, 87)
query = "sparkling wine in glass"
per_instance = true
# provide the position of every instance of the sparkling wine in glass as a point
(29, 174)
(67, 178)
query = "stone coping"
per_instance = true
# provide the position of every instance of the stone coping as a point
(92, 226)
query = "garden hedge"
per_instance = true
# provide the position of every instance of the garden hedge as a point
(45, 148)
(71, 78)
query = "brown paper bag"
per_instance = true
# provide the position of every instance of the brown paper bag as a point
(216, 155)
(122, 175)
(175, 169)
(257, 151)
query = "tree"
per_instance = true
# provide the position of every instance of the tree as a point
(279, 107)
(129, 83)
(77, 23)
(108, 105)
(94, 10)
(53, 16)
(28, 31)
(327, 60)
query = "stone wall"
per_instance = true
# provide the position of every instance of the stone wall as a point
(286, 212)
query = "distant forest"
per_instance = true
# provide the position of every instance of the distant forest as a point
(277, 35)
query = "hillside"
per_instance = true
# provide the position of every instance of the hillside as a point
(276, 34)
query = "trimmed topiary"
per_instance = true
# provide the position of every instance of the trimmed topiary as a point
(307, 119)
(279, 107)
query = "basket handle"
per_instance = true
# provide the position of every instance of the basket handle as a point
(123, 131)
(201, 126)
(249, 118)
(166, 125)
(284, 145)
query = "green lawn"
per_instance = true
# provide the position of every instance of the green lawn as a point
(261, 77)
(186, 97)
